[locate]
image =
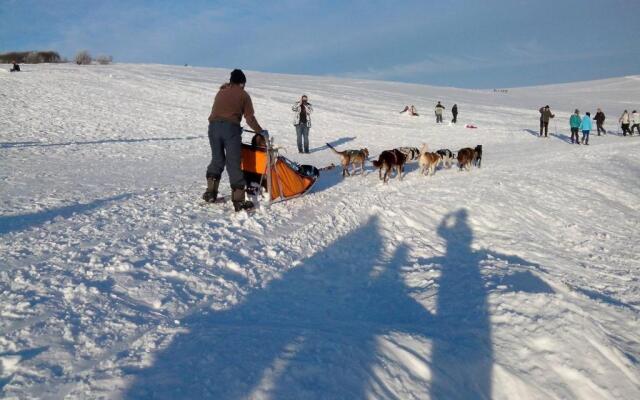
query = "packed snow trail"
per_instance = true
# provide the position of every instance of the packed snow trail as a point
(516, 280)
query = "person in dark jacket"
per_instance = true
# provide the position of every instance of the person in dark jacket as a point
(225, 138)
(545, 116)
(599, 118)
(454, 111)
(302, 121)
(15, 68)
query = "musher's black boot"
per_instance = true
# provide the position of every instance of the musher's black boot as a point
(239, 203)
(211, 195)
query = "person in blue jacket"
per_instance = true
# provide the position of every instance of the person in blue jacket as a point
(574, 123)
(586, 126)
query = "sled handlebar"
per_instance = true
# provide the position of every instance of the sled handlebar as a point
(264, 132)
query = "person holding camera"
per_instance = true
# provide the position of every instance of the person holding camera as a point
(302, 121)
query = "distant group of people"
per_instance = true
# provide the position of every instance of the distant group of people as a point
(411, 110)
(439, 111)
(584, 124)
(632, 121)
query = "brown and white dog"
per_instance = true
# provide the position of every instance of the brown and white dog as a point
(351, 157)
(428, 161)
(390, 160)
(469, 156)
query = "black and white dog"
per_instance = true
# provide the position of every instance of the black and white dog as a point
(447, 157)
(411, 153)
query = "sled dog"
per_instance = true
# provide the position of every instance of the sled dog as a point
(411, 153)
(468, 157)
(447, 157)
(389, 160)
(428, 161)
(478, 156)
(350, 158)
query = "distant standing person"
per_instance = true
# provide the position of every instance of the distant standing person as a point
(454, 111)
(574, 124)
(225, 138)
(624, 123)
(302, 121)
(599, 118)
(439, 111)
(545, 116)
(15, 68)
(586, 127)
(635, 122)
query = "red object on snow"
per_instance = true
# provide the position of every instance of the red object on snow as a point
(470, 126)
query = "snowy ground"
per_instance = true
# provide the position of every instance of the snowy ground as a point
(519, 280)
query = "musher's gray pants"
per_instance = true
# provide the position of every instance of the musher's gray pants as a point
(225, 139)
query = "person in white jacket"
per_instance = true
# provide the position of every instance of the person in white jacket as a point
(624, 123)
(635, 122)
(302, 121)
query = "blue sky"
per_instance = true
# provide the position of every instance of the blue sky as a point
(476, 44)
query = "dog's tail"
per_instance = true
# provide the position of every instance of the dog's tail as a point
(377, 163)
(333, 148)
(424, 148)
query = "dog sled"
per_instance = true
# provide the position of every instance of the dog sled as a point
(265, 169)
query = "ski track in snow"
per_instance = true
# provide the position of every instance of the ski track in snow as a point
(516, 280)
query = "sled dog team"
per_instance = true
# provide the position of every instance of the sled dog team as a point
(353, 161)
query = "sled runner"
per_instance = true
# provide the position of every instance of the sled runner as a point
(282, 178)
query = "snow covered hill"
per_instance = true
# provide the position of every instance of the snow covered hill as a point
(519, 280)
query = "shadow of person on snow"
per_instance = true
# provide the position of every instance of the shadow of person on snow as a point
(556, 135)
(334, 143)
(8, 145)
(12, 223)
(313, 333)
(561, 136)
(462, 355)
(310, 334)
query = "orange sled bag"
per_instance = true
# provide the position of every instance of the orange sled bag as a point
(282, 178)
